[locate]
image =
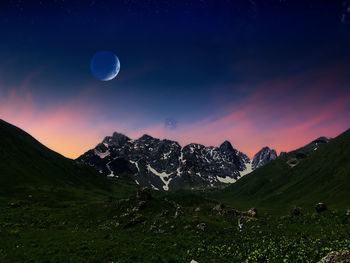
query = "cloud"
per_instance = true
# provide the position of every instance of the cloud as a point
(69, 128)
(283, 114)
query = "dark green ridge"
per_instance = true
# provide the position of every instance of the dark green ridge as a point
(27, 164)
(323, 176)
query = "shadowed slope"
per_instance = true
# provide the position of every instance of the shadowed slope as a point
(25, 162)
(323, 176)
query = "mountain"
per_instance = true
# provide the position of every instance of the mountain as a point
(164, 164)
(317, 172)
(26, 163)
(264, 156)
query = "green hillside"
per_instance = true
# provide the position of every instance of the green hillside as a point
(323, 176)
(26, 164)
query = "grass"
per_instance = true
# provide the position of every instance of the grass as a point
(54, 228)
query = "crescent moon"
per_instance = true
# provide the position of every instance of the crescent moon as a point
(115, 70)
(105, 65)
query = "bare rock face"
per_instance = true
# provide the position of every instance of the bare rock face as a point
(264, 156)
(164, 164)
(320, 207)
(336, 257)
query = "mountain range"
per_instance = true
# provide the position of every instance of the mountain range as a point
(319, 171)
(165, 165)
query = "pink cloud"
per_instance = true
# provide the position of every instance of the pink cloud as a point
(277, 114)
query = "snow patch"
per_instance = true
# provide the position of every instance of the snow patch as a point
(109, 168)
(163, 176)
(102, 155)
(136, 164)
(226, 180)
(248, 169)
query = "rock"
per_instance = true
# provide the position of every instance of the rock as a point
(336, 257)
(153, 228)
(320, 207)
(252, 212)
(202, 226)
(179, 212)
(295, 211)
(136, 220)
(124, 214)
(187, 227)
(264, 156)
(14, 205)
(165, 213)
(222, 210)
(193, 261)
(348, 212)
(144, 194)
(198, 209)
(141, 205)
(219, 207)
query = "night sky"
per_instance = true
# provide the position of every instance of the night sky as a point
(255, 72)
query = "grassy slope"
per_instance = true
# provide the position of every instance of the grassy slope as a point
(324, 176)
(27, 164)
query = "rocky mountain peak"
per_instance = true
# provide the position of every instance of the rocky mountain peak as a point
(264, 156)
(117, 139)
(226, 146)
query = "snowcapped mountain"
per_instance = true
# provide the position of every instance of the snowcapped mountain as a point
(165, 165)
(264, 156)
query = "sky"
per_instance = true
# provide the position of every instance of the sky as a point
(254, 72)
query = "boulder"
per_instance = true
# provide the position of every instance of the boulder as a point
(187, 227)
(198, 209)
(348, 212)
(252, 212)
(295, 211)
(320, 207)
(153, 228)
(141, 205)
(164, 213)
(202, 226)
(144, 194)
(219, 207)
(336, 257)
(179, 211)
(223, 210)
(15, 205)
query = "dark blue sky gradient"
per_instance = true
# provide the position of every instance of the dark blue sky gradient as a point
(179, 59)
